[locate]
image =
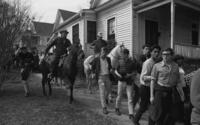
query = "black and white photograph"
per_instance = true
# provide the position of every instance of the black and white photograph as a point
(99, 62)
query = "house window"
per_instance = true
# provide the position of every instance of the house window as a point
(111, 29)
(91, 31)
(195, 34)
(75, 33)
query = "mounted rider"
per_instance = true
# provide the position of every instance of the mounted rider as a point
(62, 44)
(99, 43)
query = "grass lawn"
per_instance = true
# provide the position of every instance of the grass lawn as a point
(15, 109)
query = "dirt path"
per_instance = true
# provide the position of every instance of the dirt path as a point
(18, 110)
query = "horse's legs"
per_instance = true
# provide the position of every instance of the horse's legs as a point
(44, 79)
(49, 85)
(71, 93)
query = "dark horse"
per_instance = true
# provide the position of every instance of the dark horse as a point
(67, 72)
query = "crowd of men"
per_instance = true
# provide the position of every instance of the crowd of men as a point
(161, 79)
(161, 87)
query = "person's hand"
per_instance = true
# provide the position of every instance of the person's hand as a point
(151, 100)
(92, 75)
(183, 98)
(129, 75)
(22, 69)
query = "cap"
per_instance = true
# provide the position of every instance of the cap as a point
(100, 34)
(64, 31)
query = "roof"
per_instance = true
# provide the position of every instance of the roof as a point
(43, 29)
(66, 14)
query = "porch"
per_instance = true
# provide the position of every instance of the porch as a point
(170, 23)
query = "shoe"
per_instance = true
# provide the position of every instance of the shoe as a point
(136, 123)
(131, 117)
(105, 111)
(27, 94)
(117, 111)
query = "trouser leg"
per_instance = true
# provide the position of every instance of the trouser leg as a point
(144, 102)
(108, 88)
(26, 86)
(166, 104)
(119, 93)
(55, 65)
(129, 90)
(135, 95)
(102, 92)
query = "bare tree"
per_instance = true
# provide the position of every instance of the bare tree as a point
(14, 20)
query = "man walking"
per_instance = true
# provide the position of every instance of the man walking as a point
(101, 66)
(26, 60)
(126, 70)
(165, 78)
(145, 79)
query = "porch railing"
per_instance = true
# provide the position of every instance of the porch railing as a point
(189, 51)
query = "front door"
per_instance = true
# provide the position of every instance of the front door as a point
(151, 32)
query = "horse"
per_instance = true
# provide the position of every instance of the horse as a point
(67, 72)
(115, 54)
(90, 79)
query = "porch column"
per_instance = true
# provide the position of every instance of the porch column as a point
(172, 23)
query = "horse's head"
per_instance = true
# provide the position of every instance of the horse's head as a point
(117, 51)
(116, 54)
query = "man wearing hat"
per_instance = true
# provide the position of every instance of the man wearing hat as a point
(62, 44)
(99, 43)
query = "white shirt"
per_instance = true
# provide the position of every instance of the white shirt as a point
(145, 77)
(103, 67)
(87, 61)
(182, 74)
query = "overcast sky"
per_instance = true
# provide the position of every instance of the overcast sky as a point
(45, 10)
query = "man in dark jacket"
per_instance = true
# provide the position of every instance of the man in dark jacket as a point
(101, 66)
(26, 60)
(61, 44)
(99, 43)
(126, 71)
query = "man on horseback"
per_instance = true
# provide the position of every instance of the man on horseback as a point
(99, 43)
(61, 44)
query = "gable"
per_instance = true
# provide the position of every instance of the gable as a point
(66, 14)
(96, 3)
(61, 16)
(43, 29)
(100, 2)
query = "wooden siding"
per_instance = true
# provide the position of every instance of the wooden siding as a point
(187, 51)
(123, 17)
